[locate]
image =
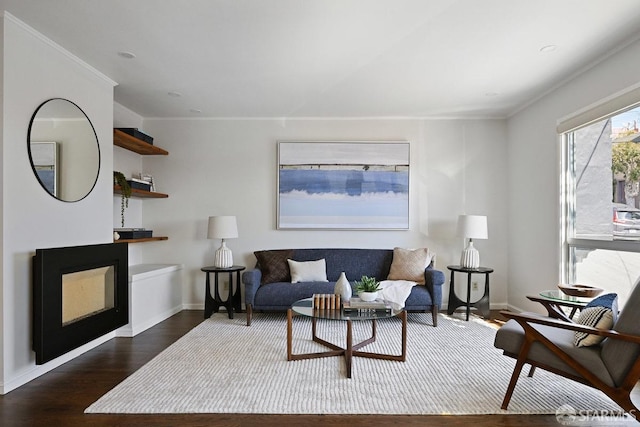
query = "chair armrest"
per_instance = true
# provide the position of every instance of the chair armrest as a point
(251, 279)
(555, 323)
(433, 281)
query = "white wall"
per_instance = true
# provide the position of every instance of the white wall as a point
(534, 172)
(228, 167)
(35, 70)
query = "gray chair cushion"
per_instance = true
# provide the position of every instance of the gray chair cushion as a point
(511, 336)
(620, 355)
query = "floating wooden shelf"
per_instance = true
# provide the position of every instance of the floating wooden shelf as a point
(144, 239)
(136, 145)
(141, 193)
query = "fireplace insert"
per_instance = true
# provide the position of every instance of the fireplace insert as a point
(79, 294)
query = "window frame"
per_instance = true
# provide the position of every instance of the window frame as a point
(566, 131)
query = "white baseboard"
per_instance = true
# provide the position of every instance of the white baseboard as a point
(38, 370)
(193, 306)
(133, 330)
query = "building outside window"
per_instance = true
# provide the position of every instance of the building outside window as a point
(601, 199)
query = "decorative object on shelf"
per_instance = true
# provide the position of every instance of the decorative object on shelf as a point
(125, 188)
(471, 227)
(134, 233)
(145, 178)
(116, 235)
(131, 143)
(580, 290)
(138, 184)
(136, 133)
(223, 227)
(367, 288)
(343, 287)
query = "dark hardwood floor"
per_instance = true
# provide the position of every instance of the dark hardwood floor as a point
(59, 397)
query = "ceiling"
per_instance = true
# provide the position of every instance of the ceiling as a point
(333, 58)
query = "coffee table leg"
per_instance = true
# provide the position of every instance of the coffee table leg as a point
(350, 351)
(403, 316)
(348, 354)
(289, 335)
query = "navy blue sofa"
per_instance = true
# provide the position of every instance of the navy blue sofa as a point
(279, 295)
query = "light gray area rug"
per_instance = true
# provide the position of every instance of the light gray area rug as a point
(223, 366)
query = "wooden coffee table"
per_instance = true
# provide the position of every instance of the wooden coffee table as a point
(304, 307)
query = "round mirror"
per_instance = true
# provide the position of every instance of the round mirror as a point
(63, 150)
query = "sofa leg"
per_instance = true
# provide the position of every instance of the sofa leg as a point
(249, 314)
(434, 315)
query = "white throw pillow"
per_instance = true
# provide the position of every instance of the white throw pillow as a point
(602, 313)
(596, 317)
(308, 271)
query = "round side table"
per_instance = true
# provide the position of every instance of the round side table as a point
(482, 305)
(234, 300)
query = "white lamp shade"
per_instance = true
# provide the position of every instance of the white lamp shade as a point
(472, 226)
(222, 227)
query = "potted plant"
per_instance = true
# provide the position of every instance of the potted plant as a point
(125, 192)
(367, 288)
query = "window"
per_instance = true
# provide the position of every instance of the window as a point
(601, 203)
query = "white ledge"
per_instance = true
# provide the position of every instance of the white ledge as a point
(145, 271)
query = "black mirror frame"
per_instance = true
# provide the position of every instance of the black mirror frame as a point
(33, 116)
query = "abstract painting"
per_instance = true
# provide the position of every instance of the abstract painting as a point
(343, 185)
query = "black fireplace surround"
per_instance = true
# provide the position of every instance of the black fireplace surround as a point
(53, 337)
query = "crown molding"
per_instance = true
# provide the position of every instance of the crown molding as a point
(42, 38)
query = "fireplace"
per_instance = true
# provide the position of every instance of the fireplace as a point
(79, 294)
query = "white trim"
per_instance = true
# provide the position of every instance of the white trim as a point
(39, 370)
(606, 107)
(609, 245)
(331, 118)
(130, 330)
(41, 37)
(194, 306)
(515, 309)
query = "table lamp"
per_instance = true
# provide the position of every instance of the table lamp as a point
(223, 227)
(471, 227)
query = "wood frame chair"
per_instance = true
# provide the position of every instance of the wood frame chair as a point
(612, 367)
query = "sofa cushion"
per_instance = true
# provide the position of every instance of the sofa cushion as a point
(308, 271)
(355, 263)
(409, 264)
(600, 313)
(280, 296)
(273, 265)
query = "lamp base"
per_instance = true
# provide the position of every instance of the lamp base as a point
(223, 256)
(470, 257)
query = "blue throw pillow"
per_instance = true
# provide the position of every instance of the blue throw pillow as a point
(602, 313)
(609, 301)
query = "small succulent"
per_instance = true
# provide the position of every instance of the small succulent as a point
(367, 284)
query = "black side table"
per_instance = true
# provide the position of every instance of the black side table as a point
(233, 301)
(482, 304)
